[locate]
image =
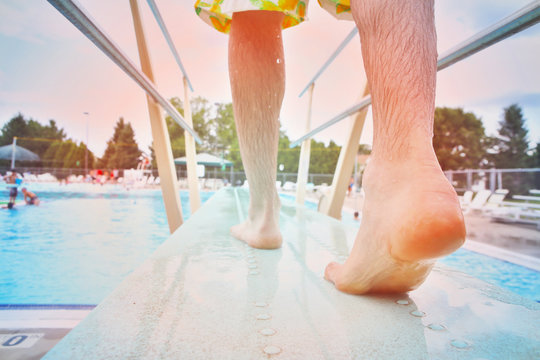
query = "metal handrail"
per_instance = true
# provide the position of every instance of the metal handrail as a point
(518, 21)
(510, 25)
(82, 21)
(168, 38)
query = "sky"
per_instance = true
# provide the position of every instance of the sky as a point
(49, 70)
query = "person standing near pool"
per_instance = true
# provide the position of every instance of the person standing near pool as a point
(411, 213)
(12, 183)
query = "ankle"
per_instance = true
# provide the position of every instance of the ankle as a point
(417, 146)
(385, 175)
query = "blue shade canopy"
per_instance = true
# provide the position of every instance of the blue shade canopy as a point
(21, 154)
(205, 159)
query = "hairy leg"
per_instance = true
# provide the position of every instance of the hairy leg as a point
(257, 75)
(411, 213)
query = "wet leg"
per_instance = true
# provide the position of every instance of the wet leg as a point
(257, 75)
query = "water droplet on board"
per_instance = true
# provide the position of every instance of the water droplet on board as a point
(402, 302)
(460, 344)
(252, 266)
(272, 350)
(250, 256)
(418, 313)
(261, 304)
(436, 327)
(263, 317)
(253, 272)
(251, 261)
(267, 332)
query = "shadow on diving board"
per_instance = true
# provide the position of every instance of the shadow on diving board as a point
(206, 295)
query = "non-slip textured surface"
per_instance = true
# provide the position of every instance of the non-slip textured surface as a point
(205, 295)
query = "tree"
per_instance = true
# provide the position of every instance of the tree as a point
(215, 126)
(323, 159)
(202, 124)
(111, 144)
(459, 139)
(126, 155)
(512, 143)
(67, 154)
(16, 127)
(535, 162)
(122, 151)
(31, 134)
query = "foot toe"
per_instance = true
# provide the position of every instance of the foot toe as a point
(331, 272)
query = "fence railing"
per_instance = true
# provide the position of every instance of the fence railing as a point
(235, 178)
(517, 181)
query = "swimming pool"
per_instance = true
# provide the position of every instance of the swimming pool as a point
(83, 240)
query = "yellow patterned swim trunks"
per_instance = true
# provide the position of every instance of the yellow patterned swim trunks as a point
(218, 13)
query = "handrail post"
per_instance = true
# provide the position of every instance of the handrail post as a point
(160, 134)
(469, 179)
(345, 165)
(13, 148)
(303, 165)
(191, 162)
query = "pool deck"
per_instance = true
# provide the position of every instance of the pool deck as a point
(30, 331)
(205, 295)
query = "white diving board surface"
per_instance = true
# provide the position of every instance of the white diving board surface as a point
(205, 295)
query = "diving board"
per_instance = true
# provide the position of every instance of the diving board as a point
(205, 295)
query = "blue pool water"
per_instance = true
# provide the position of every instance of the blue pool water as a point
(83, 240)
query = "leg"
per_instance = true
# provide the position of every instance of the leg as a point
(257, 75)
(411, 213)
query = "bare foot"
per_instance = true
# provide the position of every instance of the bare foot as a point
(261, 229)
(411, 216)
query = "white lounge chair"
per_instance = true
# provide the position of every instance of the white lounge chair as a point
(466, 199)
(289, 186)
(478, 201)
(527, 211)
(513, 212)
(494, 201)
